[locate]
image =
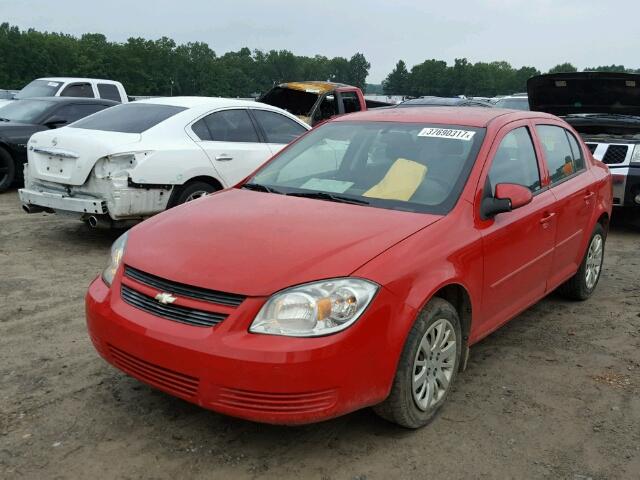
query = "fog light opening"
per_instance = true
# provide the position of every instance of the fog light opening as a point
(637, 199)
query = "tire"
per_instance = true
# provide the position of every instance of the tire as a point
(192, 191)
(7, 170)
(409, 405)
(581, 286)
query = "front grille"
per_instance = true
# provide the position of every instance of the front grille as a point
(174, 382)
(296, 403)
(592, 147)
(190, 316)
(615, 154)
(198, 293)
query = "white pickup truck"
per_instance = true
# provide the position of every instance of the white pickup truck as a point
(74, 87)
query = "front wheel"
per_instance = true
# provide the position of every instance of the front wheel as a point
(582, 285)
(427, 369)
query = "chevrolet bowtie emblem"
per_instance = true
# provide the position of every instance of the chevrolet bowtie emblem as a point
(165, 298)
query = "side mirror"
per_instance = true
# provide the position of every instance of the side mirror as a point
(518, 195)
(508, 196)
(54, 122)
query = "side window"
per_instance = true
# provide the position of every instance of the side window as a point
(350, 102)
(277, 127)
(326, 109)
(557, 149)
(109, 91)
(78, 90)
(231, 126)
(74, 112)
(515, 161)
(201, 130)
(578, 157)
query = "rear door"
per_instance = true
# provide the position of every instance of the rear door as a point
(518, 245)
(278, 130)
(572, 186)
(232, 143)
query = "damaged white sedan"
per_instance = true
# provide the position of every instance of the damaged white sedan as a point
(131, 161)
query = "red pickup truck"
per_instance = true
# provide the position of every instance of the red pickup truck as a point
(316, 102)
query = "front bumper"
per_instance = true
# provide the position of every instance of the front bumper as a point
(265, 378)
(626, 186)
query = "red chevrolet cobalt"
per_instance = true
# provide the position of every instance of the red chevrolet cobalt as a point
(358, 266)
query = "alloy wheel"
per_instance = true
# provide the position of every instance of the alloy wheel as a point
(594, 261)
(195, 195)
(434, 364)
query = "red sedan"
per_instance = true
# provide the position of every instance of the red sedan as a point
(358, 266)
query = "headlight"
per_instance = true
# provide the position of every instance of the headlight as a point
(635, 156)
(117, 251)
(315, 309)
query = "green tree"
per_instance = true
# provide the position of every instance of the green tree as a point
(358, 70)
(397, 82)
(563, 68)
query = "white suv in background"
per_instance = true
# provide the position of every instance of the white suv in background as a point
(131, 161)
(74, 87)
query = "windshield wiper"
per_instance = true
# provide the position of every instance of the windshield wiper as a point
(332, 197)
(2, 119)
(258, 187)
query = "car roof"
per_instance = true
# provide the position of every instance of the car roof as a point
(69, 100)
(76, 79)
(315, 86)
(468, 116)
(192, 102)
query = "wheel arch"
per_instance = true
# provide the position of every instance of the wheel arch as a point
(177, 190)
(458, 296)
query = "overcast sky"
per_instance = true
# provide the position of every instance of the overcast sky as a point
(540, 33)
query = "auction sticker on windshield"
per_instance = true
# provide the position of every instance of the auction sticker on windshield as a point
(447, 133)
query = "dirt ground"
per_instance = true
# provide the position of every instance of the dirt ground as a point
(554, 394)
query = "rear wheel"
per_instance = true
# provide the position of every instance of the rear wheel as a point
(193, 191)
(583, 283)
(7, 170)
(427, 369)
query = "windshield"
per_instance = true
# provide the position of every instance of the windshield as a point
(39, 88)
(521, 103)
(402, 166)
(297, 102)
(24, 111)
(129, 117)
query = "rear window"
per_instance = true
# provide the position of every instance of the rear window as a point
(109, 91)
(129, 118)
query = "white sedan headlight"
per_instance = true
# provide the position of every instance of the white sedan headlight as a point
(315, 309)
(117, 252)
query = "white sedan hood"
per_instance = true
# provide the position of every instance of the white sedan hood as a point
(68, 155)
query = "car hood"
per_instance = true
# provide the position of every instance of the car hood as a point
(255, 243)
(79, 147)
(585, 92)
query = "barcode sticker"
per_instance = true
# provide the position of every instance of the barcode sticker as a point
(447, 133)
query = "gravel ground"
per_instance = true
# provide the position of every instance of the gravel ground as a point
(553, 394)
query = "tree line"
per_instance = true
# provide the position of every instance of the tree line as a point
(436, 77)
(162, 67)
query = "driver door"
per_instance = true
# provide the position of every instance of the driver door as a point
(518, 245)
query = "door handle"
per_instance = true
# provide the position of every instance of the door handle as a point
(223, 157)
(547, 218)
(588, 196)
